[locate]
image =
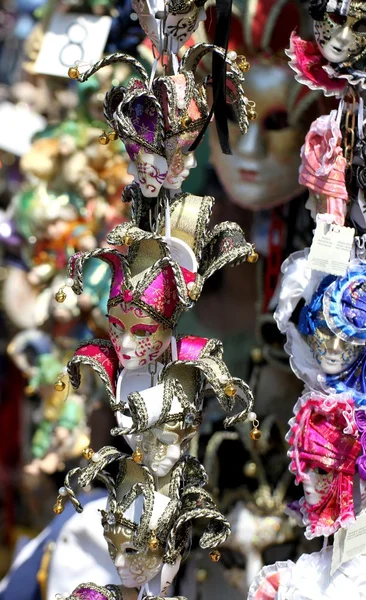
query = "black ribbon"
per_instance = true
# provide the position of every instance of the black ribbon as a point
(222, 35)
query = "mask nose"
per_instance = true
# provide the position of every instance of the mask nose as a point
(128, 342)
(345, 33)
(252, 145)
(120, 560)
(190, 161)
(334, 345)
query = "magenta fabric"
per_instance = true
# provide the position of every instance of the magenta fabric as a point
(89, 594)
(308, 62)
(105, 356)
(190, 347)
(324, 435)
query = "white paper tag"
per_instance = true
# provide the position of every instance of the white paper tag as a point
(349, 543)
(72, 37)
(331, 248)
(25, 122)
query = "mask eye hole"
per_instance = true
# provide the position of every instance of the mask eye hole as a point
(320, 471)
(276, 120)
(337, 18)
(141, 333)
(360, 26)
(130, 551)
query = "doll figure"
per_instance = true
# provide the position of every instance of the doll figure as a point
(147, 531)
(149, 291)
(160, 421)
(136, 116)
(325, 339)
(337, 57)
(159, 123)
(324, 447)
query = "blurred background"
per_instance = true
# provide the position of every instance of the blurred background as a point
(60, 192)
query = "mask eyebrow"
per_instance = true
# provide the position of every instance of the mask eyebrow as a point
(115, 320)
(144, 327)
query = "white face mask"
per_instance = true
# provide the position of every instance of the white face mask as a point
(136, 566)
(263, 170)
(178, 28)
(161, 446)
(316, 486)
(175, 177)
(339, 38)
(149, 171)
(137, 338)
(332, 354)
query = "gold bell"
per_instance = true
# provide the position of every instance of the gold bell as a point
(243, 64)
(138, 456)
(58, 508)
(60, 296)
(253, 257)
(103, 139)
(252, 114)
(87, 453)
(112, 136)
(230, 389)
(127, 240)
(73, 73)
(60, 385)
(215, 555)
(193, 293)
(153, 542)
(255, 434)
(185, 121)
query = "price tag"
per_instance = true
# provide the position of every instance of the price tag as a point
(349, 543)
(70, 38)
(25, 122)
(331, 248)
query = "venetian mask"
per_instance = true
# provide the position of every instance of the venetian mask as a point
(149, 171)
(162, 445)
(137, 338)
(263, 169)
(316, 485)
(177, 27)
(342, 38)
(333, 354)
(136, 565)
(179, 169)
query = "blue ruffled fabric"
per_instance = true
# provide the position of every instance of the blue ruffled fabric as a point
(309, 319)
(345, 305)
(353, 380)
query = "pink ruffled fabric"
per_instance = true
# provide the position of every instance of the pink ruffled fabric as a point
(324, 435)
(323, 165)
(308, 63)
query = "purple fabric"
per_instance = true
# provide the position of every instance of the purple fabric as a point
(360, 416)
(89, 594)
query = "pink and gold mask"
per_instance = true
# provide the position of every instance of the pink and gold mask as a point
(137, 338)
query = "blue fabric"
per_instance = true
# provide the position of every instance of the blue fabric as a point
(345, 305)
(22, 584)
(309, 319)
(352, 380)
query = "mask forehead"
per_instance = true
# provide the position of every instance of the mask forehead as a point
(131, 315)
